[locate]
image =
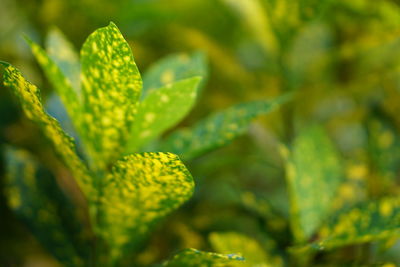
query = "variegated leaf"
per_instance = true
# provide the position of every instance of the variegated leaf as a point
(218, 129)
(34, 196)
(313, 175)
(111, 86)
(63, 54)
(366, 222)
(29, 98)
(250, 249)
(174, 68)
(196, 258)
(161, 110)
(140, 190)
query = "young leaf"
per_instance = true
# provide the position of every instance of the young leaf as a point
(111, 86)
(63, 54)
(254, 254)
(194, 258)
(174, 68)
(140, 190)
(69, 95)
(313, 176)
(34, 196)
(162, 109)
(218, 129)
(366, 222)
(29, 98)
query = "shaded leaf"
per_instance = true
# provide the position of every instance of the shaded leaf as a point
(111, 86)
(29, 98)
(365, 222)
(313, 175)
(250, 249)
(63, 54)
(174, 68)
(195, 258)
(140, 190)
(218, 129)
(161, 110)
(36, 199)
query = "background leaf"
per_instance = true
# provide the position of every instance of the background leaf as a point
(140, 190)
(366, 222)
(173, 68)
(193, 257)
(162, 109)
(313, 175)
(250, 249)
(34, 196)
(111, 87)
(218, 129)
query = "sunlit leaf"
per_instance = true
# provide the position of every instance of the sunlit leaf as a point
(162, 109)
(366, 222)
(34, 196)
(63, 86)
(174, 68)
(29, 98)
(218, 129)
(63, 54)
(250, 249)
(111, 86)
(313, 176)
(141, 189)
(195, 258)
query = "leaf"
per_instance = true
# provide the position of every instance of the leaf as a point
(63, 54)
(313, 175)
(36, 199)
(111, 86)
(140, 190)
(161, 110)
(172, 69)
(69, 95)
(29, 98)
(218, 129)
(250, 249)
(195, 258)
(366, 222)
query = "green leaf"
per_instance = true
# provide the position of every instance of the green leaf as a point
(34, 196)
(174, 68)
(29, 98)
(161, 110)
(111, 87)
(140, 190)
(195, 258)
(219, 129)
(63, 54)
(63, 86)
(250, 249)
(313, 175)
(366, 222)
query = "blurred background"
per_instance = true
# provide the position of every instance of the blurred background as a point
(341, 57)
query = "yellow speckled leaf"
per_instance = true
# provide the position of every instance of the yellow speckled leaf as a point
(218, 129)
(366, 222)
(35, 198)
(162, 109)
(195, 258)
(140, 190)
(29, 97)
(313, 174)
(111, 86)
(250, 249)
(56, 75)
